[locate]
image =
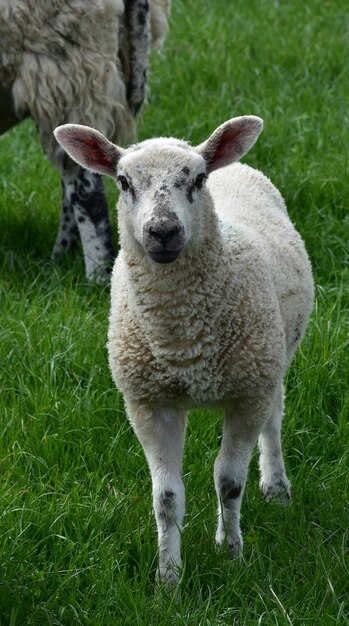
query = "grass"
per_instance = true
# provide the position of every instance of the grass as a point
(77, 535)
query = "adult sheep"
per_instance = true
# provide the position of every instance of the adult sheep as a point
(78, 61)
(211, 293)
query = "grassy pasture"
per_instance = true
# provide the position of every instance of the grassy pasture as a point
(77, 536)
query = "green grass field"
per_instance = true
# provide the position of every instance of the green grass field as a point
(77, 535)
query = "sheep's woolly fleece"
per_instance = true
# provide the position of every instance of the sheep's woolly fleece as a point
(61, 59)
(224, 320)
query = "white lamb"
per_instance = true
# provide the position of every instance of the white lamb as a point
(211, 293)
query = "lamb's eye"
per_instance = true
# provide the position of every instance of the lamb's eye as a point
(199, 181)
(123, 182)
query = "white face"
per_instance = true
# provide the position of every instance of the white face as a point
(161, 186)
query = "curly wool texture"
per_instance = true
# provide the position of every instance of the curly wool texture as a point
(61, 60)
(224, 320)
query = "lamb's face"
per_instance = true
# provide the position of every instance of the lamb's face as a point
(162, 191)
(164, 206)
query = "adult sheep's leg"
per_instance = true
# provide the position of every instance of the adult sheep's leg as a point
(274, 481)
(230, 474)
(161, 433)
(68, 232)
(85, 216)
(91, 215)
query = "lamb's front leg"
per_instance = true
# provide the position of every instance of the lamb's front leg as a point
(161, 433)
(230, 473)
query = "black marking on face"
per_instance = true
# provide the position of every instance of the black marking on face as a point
(196, 185)
(228, 490)
(180, 182)
(189, 194)
(164, 189)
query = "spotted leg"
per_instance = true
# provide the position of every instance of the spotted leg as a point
(274, 482)
(230, 473)
(68, 232)
(161, 433)
(85, 216)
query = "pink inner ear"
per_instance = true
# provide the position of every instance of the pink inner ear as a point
(92, 152)
(96, 155)
(228, 148)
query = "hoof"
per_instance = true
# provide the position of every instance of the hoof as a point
(279, 490)
(235, 546)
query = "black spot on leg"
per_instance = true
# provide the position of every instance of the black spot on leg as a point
(142, 18)
(74, 198)
(228, 490)
(164, 188)
(167, 503)
(167, 499)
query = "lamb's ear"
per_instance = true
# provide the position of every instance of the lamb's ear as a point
(89, 148)
(230, 141)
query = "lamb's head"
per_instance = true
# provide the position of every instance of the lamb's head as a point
(163, 201)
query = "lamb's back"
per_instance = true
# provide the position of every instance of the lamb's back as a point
(248, 204)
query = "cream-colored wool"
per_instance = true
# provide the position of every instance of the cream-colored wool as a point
(211, 294)
(61, 59)
(226, 317)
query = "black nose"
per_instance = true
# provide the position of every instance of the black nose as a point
(164, 234)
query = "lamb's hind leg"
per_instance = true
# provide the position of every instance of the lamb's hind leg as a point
(274, 481)
(230, 473)
(161, 433)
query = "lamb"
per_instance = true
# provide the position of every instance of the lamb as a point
(72, 61)
(211, 294)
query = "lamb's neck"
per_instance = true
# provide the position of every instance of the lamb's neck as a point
(174, 302)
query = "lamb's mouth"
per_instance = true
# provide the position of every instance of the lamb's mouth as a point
(165, 256)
